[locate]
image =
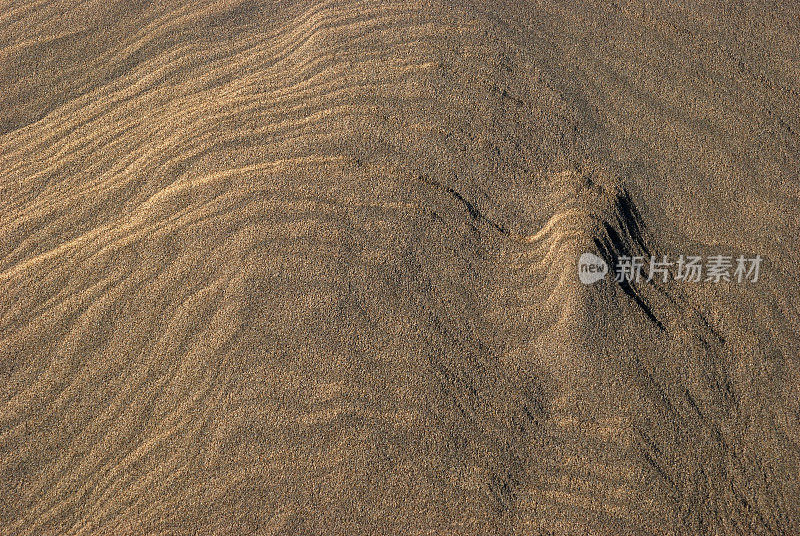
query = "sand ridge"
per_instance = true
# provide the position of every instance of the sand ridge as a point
(309, 267)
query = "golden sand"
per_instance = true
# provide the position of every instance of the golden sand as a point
(309, 267)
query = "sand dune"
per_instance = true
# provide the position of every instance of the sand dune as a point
(307, 267)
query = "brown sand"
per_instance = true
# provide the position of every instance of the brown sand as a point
(307, 267)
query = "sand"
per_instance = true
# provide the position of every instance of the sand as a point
(310, 267)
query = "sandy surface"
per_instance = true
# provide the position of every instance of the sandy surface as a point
(308, 267)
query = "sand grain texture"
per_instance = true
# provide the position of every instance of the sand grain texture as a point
(309, 267)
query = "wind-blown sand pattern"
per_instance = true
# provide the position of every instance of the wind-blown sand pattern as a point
(310, 268)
